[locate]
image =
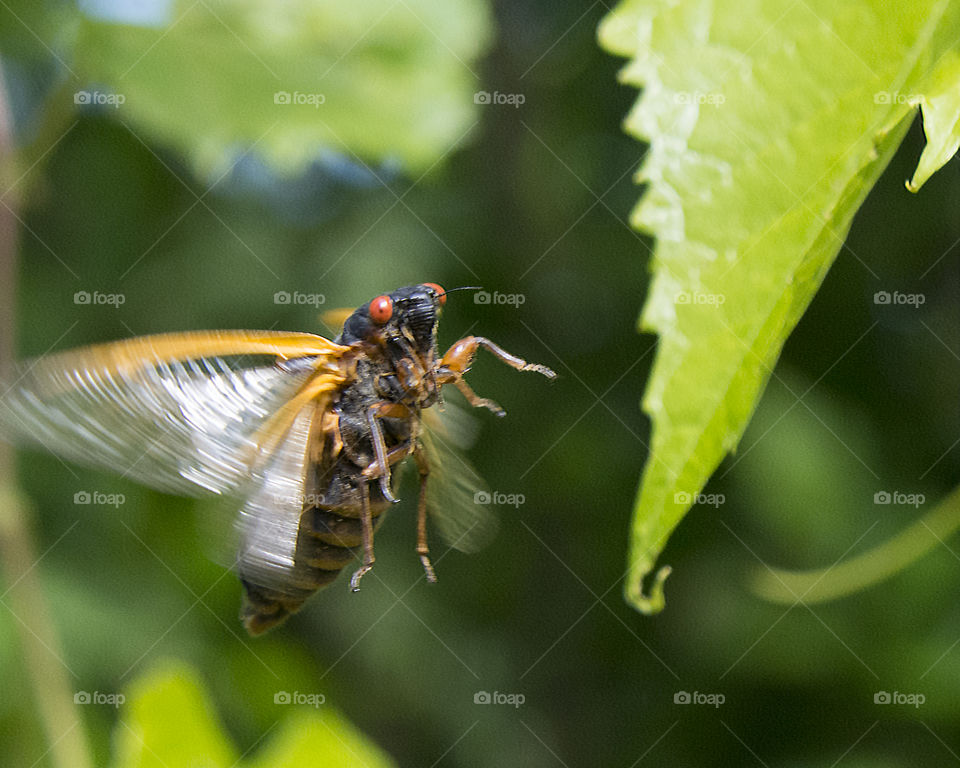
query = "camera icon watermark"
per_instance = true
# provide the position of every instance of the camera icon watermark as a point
(915, 700)
(895, 97)
(509, 299)
(897, 498)
(96, 298)
(896, 298)
(515, 700)
(98, 499)
(703, 499)
(499, 499)
(98, 98)
(713, 99)
(299, 299)
(515, 100)
(305, 500)
(715, 700)
(299, 99)
(700, 298)
(96, 697)
(314, 700)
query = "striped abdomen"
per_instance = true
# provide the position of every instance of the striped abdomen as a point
(329, 540)
(330, 534)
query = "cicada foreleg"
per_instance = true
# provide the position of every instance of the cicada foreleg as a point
(423, 465)
(458, 359)
(382, 461)
(367, 520)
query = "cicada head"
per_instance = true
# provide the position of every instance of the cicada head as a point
(400, 322)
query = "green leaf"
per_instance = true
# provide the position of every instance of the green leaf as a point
(384, 80)
(306, 737)
(941, 119)
(168, 720)
(768, 123)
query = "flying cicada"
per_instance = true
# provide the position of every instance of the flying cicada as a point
(304, 431)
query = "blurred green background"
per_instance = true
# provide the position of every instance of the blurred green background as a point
(529, 200)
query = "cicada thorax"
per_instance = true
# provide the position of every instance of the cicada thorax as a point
(337, 486)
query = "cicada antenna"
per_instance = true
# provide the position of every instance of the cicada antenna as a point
(463, 288)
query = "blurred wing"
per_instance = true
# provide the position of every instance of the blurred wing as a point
(182, 413)
(269, 519)
(335, 318)
(456, 494)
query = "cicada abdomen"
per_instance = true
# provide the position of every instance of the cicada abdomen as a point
(339, 485)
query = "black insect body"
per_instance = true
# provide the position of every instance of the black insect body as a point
(304, 432)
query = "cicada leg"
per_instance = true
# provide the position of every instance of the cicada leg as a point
(423, 465)
(380, 468)
(380, 452)
(458, 359)
(383, 460)
(474, 399)
(367, 520)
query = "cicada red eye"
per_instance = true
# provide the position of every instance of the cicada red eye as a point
(381, 309)
(442, 295)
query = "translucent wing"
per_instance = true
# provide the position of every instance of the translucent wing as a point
(457, 498)
(269, 519)
(182, 413)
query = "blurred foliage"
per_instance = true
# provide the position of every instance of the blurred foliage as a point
(765, 138)
(371, 78)
(296, 82)
(169, 720)
(867, 568)
(533, 202)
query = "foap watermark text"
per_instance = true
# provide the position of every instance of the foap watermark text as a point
(498, 499)
(299, 99)
(714, 700)
(514, 100)
(897, 298)
(297, 298)
(703, 499)
(510, 299)
(98, 499)
(514, 700)
(712, 99)
(895, 97)
(283, 698)
(99, 697)
(896, 697)
(899, 499)
(99, 99)
(700, 297)
(99, 299)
